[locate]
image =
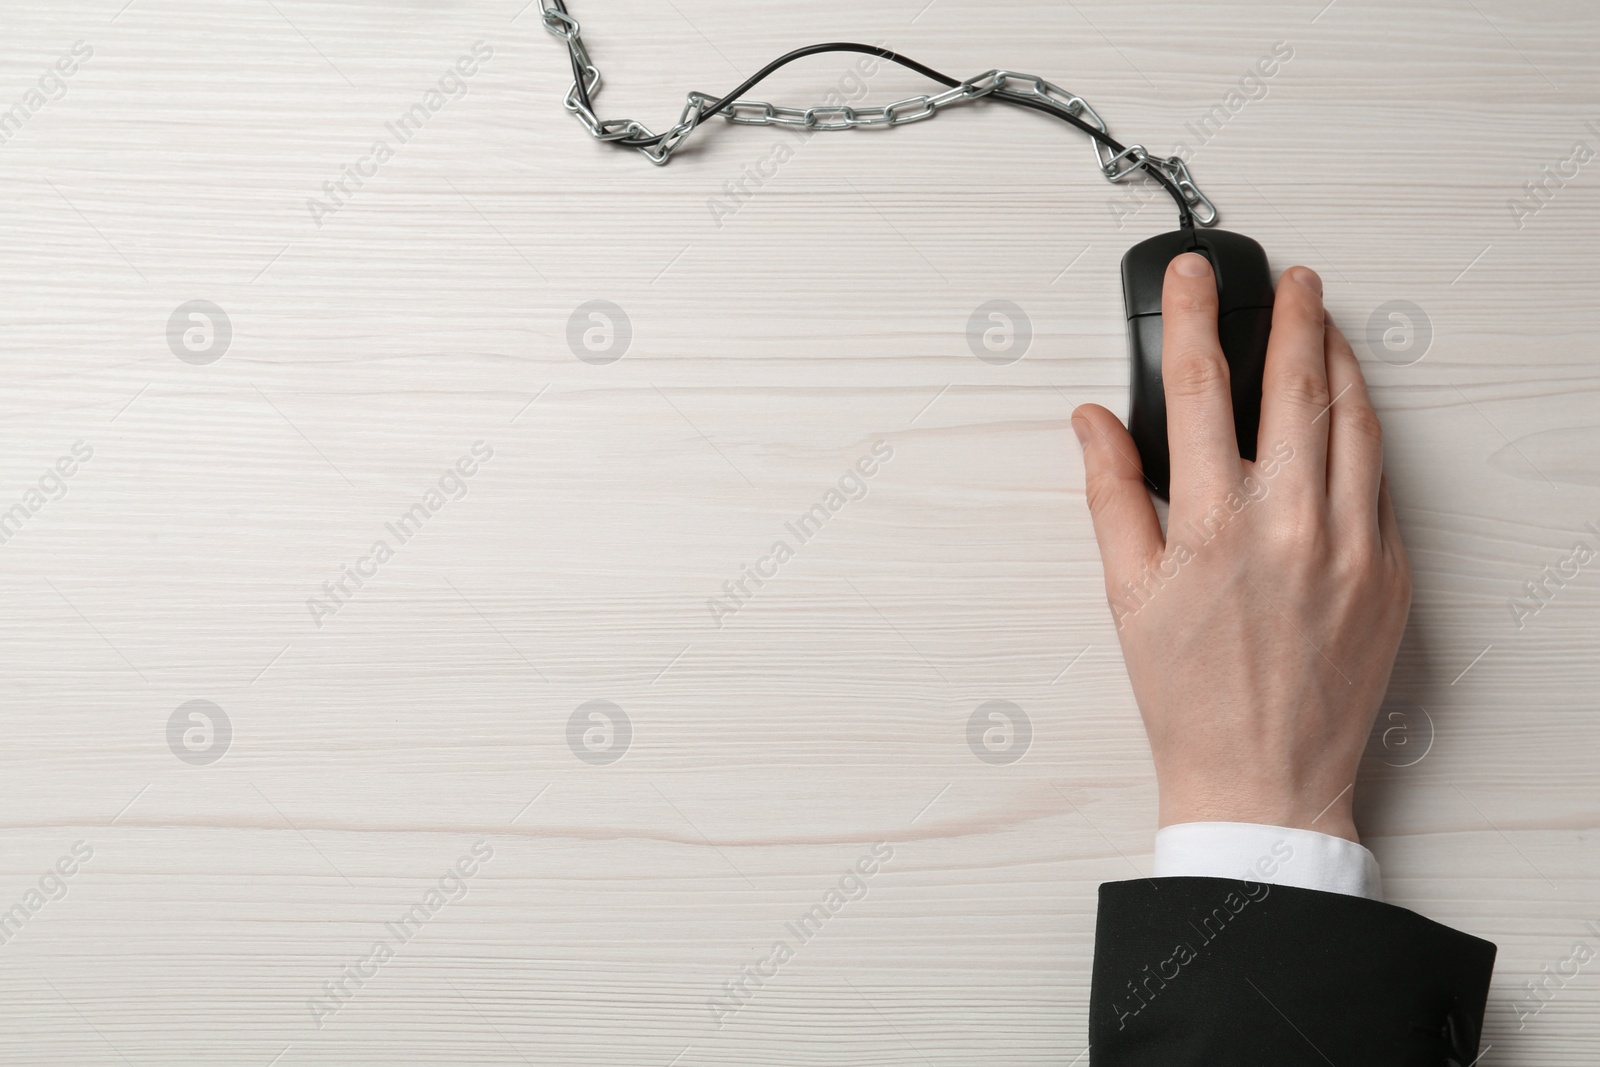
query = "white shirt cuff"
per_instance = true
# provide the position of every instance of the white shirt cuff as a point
(1278, 855)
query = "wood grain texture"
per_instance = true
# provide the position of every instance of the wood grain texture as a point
(771, 348)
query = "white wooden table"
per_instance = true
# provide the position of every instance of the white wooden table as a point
(638, 870)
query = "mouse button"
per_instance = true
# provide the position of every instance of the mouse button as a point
(1144, 333)
(1141, 283)
(1147, 412)
(1244, 277)
(1218, 266)
(1243, 334)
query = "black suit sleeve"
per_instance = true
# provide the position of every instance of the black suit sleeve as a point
(1219, 972)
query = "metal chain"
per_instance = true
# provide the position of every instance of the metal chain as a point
(1005, 84)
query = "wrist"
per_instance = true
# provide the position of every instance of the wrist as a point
(1269, 809)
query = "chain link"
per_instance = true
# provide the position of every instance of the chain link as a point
(1005, 84)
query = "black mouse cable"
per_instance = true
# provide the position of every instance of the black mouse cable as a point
(581, 89)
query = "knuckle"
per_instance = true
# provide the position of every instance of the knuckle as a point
(1340, 344)
(1363, 421)
(1193, 300)
(1303, 389)
(1359, 558)
(1401, 580)
(1100, 489)
(1299, 531)
(1399, 577)
(1196, 373)
(1308, 314)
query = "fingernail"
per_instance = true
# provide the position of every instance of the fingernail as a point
(1192, 265)
(1308, 278)
(1081, 428)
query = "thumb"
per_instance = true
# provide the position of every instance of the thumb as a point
(1125, 522)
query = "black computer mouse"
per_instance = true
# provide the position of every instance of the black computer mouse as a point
(1244, 319)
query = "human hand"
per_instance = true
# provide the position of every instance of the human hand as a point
(1260, 631)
